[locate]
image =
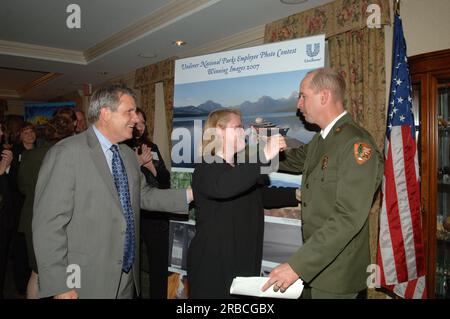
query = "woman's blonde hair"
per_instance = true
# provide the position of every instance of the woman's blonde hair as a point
(217, 118)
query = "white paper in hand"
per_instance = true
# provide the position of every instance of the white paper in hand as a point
(251, 286)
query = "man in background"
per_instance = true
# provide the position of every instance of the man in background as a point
(81, 122)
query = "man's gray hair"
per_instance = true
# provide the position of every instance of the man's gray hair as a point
(108, 96)
(328, 79)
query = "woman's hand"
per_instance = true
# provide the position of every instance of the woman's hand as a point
(146, 159)
(5, 162)
(274, 145)
(146, 155)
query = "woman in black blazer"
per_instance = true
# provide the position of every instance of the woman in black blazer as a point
(230, 198)
(154, 225)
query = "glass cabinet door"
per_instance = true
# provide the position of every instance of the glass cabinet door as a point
(443, 196)
(430, 73)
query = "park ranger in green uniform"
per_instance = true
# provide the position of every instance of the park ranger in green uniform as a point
(342, 170)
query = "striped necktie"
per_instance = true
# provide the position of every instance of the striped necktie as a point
(121, 180)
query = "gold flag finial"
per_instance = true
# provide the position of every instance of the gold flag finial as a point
(397, 7)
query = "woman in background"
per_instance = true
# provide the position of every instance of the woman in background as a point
(230, 198)
(57, 128)
(154, 225)
(27, 141)
(5, 208)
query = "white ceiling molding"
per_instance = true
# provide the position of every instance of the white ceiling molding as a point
(248, 38)
(9, 93)
(41, 52)
(38, 82)
(173, 12)
(21, 91)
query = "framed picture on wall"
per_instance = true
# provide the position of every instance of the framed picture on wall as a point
(40, 113)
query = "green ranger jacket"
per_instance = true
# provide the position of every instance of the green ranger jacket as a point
(341, 174)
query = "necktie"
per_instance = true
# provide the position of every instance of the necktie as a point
(121, 180)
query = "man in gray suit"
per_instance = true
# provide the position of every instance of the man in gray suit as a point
(86, 218)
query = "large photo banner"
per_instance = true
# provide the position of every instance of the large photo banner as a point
(262, 81)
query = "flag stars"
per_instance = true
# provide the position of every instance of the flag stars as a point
(398, 82)
(409, 99)
(402, 118)
(394, 110)
(400, 100)
(392, 102)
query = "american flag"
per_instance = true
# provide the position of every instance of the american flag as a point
(400, 245)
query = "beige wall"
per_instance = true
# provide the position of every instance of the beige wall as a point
(426, 25)
(160, 134)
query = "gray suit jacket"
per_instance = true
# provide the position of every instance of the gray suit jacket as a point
(78, 217)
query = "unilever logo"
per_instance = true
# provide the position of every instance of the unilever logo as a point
(309, 50)
(312, 52)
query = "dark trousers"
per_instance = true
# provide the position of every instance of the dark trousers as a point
(17, 244)
(4, 244)
(19, 254)
(155, 235)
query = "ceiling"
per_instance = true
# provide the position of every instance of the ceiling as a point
(42, 58)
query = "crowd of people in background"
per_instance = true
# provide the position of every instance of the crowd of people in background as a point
(23, 147)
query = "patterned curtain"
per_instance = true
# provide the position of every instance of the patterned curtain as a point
(168, 98)
(145, 81)
(358, 52)
(359, 56)
(148, 106)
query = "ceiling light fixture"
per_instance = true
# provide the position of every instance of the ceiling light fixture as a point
(179, 43)
(293, 1)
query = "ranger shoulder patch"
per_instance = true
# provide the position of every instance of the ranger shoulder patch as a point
(362, 152)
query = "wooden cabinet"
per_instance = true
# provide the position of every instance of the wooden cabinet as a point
(430, 75)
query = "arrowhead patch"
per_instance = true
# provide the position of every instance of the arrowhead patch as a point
(362, 152)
